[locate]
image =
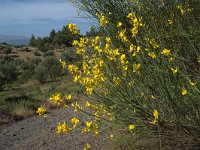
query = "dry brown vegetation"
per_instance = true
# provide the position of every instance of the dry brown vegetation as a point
(21, 112)
(27, 53)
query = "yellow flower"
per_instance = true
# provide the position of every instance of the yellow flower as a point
(102, 19)
(68, 97)
(89, 124)
(96, 132)
(111, 136)
(153, 43)
(131, 127)
(142, 94)
(76, 107)
(59, 128)
(116, 81)
(136, 67)
(171, 59)
(63, 63)
(73, 69)
(131, 15)
(198, 59)
(76, 78)
(152, 55)
(75, 122)
(75, 42)
(133, 20)
(134, 31)
(41, 111)
(153, 97)
(132, 48)
(87, 104)
(122, 35)
(170, 22)
(123, 59)
(192, 83)
(184, 91)
(130, 84)
(98, 48)
(56, 98)
(108, 39)
(182, 10)
(87, 146)
(119, 24)
(166, 52)
(89, 90)
(63, 128)
(174, 71)
(95, 126)
(72, 28)
(89, 127)
(155, 114)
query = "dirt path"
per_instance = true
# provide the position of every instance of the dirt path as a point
(37, 133)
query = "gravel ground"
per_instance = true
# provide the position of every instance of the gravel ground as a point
(39, 133)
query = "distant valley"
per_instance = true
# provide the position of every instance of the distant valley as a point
(14, 40)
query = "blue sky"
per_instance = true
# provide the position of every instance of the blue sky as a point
(38, 17)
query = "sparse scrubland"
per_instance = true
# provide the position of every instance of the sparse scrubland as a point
(29, 75)
(141, 77)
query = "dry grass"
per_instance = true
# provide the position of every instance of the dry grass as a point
(20, 112)
(18, 53)
(25, 55)
(4, 120)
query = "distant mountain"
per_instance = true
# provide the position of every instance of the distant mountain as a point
(14, 40)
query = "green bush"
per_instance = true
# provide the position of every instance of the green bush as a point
(48, 53)
(94, 31)
(53, 66)
(41, 74)
(18, 61)
(7, 50)
(29, 65)
(9, 72)
(48, 61)
(70, 55)
(36, 61)
(37, 53)
(2, 81)
(55, 70)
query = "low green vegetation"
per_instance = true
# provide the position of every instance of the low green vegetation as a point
(27, 82)
(55, 40)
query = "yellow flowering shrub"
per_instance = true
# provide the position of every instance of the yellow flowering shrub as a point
(143, 72)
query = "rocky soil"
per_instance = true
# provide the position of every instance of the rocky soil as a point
(39, 133)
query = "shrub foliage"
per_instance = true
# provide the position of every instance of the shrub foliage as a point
(145, 69)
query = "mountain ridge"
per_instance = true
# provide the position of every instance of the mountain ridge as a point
(14, 39)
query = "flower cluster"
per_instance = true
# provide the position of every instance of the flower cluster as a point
(72, 28)
(63, 128)
(57, 99)
(102, 19)
(41, 111)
